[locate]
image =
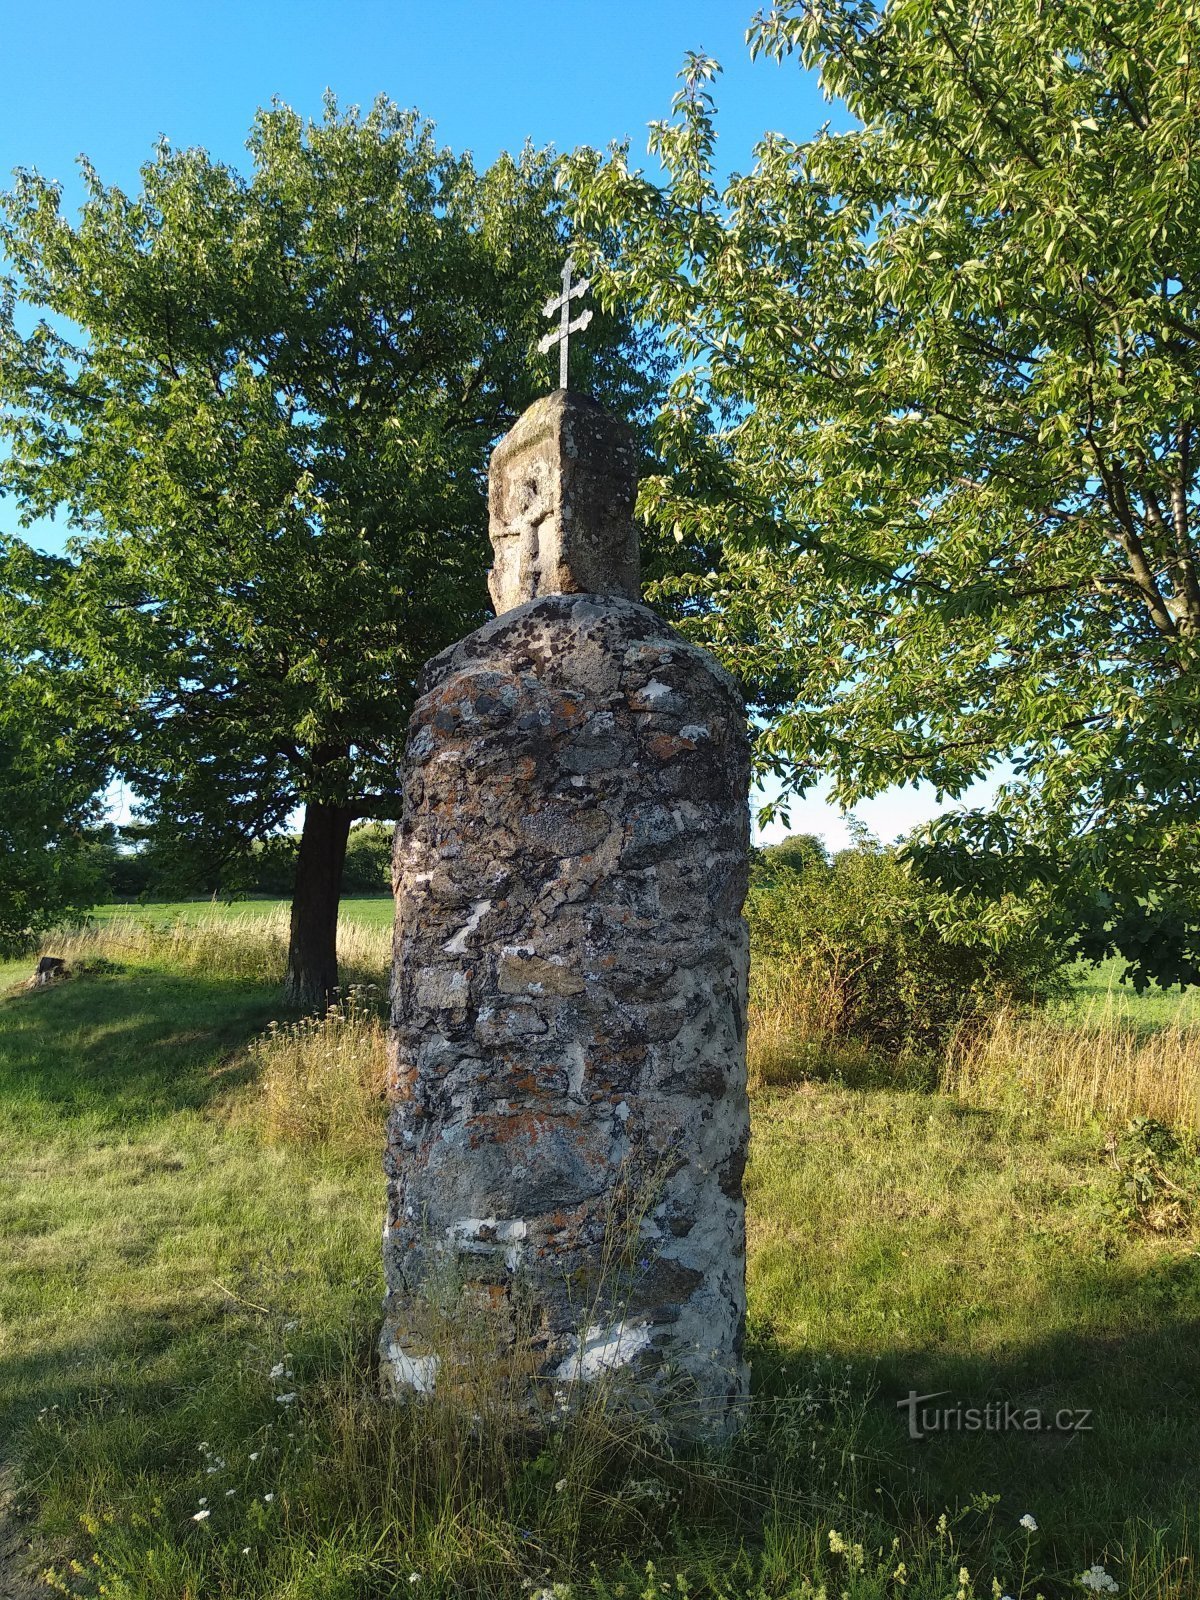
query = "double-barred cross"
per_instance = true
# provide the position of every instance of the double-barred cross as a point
(562, 304)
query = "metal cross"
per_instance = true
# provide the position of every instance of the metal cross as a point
(562, 304)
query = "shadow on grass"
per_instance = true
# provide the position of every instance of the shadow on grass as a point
(131, 1402)
(1090, 1433)
(127, 1046)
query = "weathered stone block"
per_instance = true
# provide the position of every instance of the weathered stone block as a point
(560, 498)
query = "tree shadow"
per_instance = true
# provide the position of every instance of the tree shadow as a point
(128, 1047)
(1090, 1433)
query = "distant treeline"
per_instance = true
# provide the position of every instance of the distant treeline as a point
(131, 863)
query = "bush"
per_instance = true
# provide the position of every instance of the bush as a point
(880, 958)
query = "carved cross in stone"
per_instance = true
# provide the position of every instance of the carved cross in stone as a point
(562, 304)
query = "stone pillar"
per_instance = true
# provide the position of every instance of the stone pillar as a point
(568, 1133)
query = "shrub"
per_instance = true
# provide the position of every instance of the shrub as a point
(863, 950)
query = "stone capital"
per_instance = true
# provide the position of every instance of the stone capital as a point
(561, 492)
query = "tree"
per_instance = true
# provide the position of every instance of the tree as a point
(939, 393)
(265, 403)
(797, 854)
(49, 778)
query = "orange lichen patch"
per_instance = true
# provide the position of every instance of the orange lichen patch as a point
(400, 1085)
(666, 746)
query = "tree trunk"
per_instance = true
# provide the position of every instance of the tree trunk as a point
(312, 973)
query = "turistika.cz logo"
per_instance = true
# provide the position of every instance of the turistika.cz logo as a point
(998, 1416)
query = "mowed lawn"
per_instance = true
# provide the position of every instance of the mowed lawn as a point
(159, 1255)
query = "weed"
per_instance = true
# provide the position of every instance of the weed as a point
(322, 1080)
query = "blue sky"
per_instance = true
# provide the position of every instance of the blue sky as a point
(109, 77)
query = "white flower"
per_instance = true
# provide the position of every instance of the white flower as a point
(292, 1325)
(560, 1486)
(254, 1455)
(285, 1399)
(199, 1516)
(1097, 1579)
(1027, 1522)
(414, 1577)
(202, 1501)
(229, 1493)
(277, 1370)
(245, 1549)
(267, 1498)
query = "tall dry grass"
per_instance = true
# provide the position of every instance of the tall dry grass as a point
(1098, 1067)
(793, 1016)
(323, 1080)
(252, 947)
(795, 1034)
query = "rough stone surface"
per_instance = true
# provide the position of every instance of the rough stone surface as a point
(568, 1133)
(560, 499)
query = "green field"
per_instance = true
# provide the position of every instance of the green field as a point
(375, 911)
(163, 1252)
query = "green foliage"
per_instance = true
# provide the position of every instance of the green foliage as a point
(49, 775)
(897, 967)
(1155, 1177)
(368, 868)
(799, 853)
(264, 403)
(136, 862)
(938, 405)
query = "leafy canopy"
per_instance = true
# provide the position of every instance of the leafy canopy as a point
(49, 778)
(265, 403)
(938, 403)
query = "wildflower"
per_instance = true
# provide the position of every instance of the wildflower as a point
(254, 1454)
(267, 1498)
(199, 1516)
(1096, 1579)
(1028, 1523)
(202, 1501)
(837, 1544)
(245, 1549)
(277, 1370)
(229, 1493)
(560, 1486)
(291, 1325)
(285, 1399)
(414, 1577)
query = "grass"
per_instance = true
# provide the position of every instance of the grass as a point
(373, 911)
(190, 1198)
(1098, 993)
